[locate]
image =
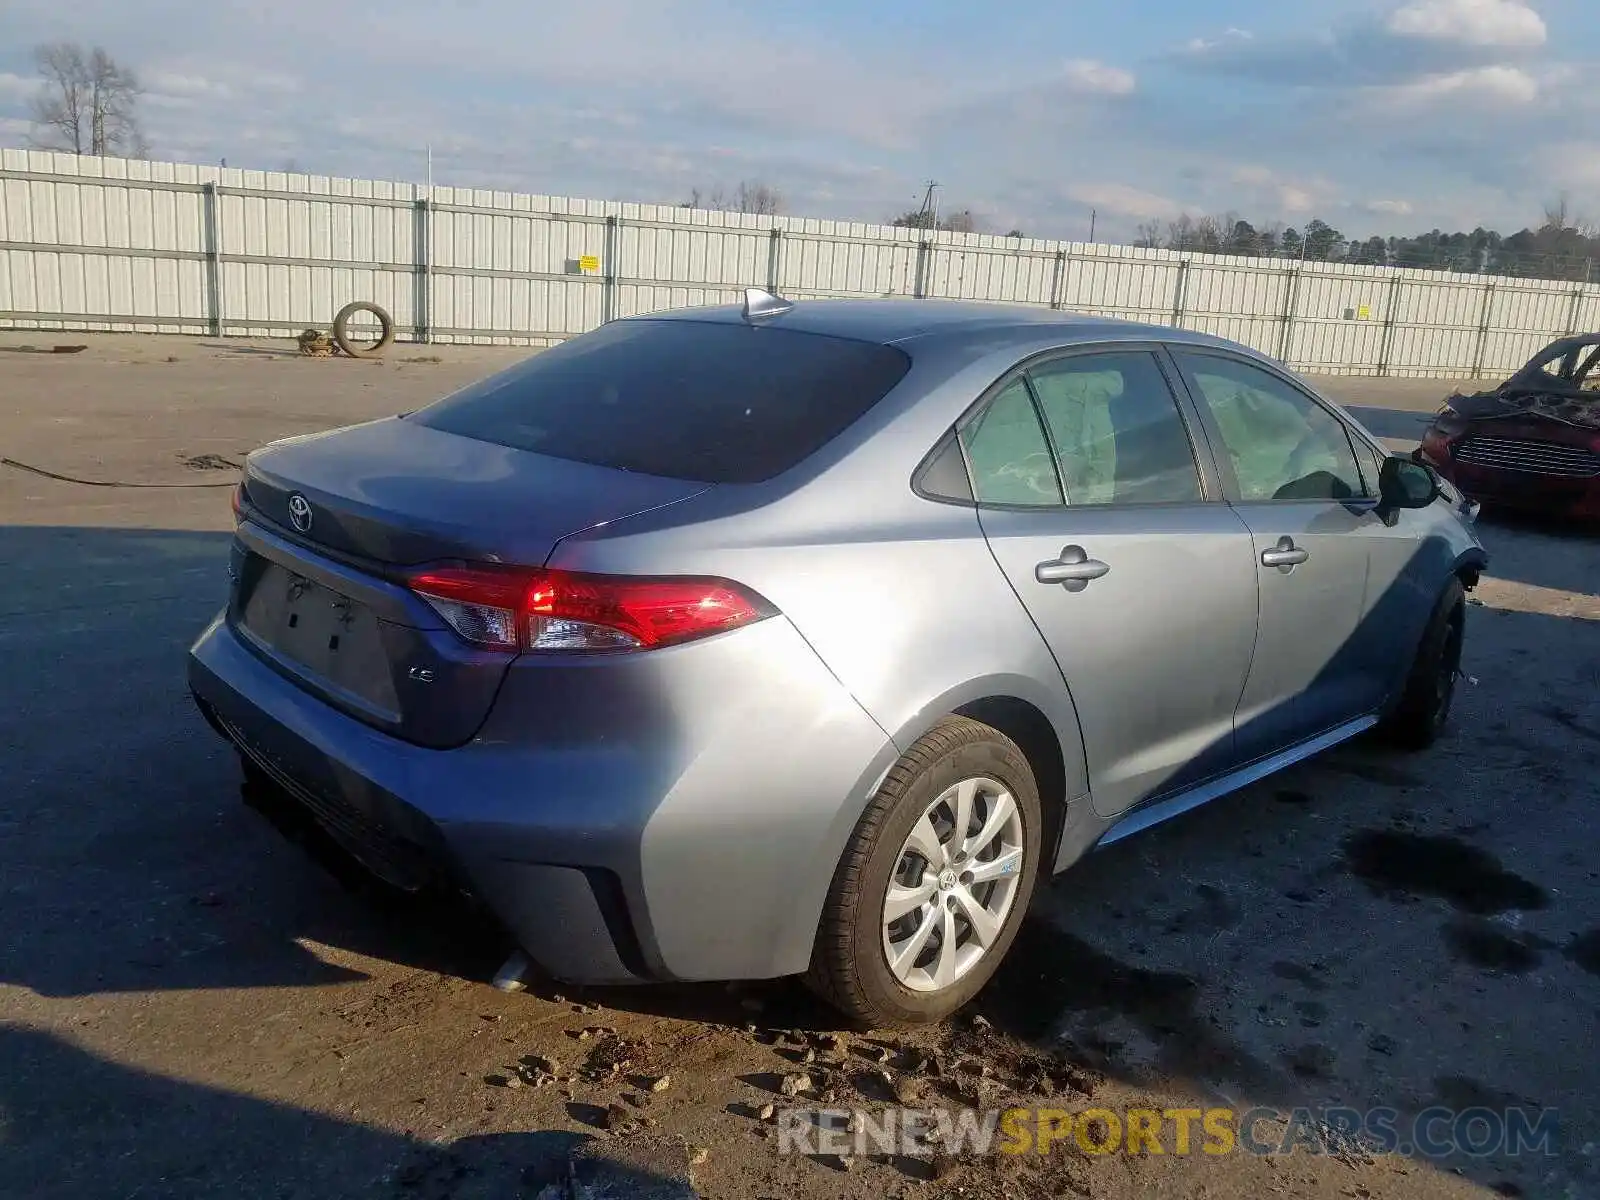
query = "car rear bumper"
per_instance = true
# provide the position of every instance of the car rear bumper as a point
(675, 817)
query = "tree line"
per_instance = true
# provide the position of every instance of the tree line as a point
(1560, 247)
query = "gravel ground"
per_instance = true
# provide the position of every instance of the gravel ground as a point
(191, 1006)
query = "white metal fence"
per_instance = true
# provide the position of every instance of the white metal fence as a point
(91, 243)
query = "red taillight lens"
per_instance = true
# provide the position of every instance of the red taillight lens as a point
(566, 611)
(238, 503)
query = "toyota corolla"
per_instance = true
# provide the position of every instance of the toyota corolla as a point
(807, 638)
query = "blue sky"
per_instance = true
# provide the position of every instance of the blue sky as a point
(1376, 115)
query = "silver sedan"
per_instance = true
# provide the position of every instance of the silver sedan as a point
(807, 638)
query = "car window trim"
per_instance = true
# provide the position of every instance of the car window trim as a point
(988, 396)
(1211, 481)
(1224, 464)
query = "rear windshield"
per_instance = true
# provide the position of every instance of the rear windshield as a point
(687, 400)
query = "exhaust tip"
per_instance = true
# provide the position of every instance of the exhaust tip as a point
(513, 973)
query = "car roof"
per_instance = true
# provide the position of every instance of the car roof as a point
(888, 321)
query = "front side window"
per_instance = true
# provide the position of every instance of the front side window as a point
(1007, 452)
(1116, 430)
(1283, 445)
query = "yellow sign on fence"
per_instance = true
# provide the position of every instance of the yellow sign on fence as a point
(588, 263)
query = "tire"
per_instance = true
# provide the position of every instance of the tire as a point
(850, 966)
(357, 349)
(1422, 710)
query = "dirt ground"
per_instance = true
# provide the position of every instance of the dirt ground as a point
(190, 1006)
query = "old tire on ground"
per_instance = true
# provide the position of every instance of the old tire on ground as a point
(354, 349)
(922, 907)
(1423, 708)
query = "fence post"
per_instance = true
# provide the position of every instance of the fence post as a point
(1577, 310)
(1178, 290)
(924, 267)
(1483, 332)
(422, 275)
(1291, 300)
(213, 249)
(1390, 317)
(1058, 279)
(608, 300)
(775, 262)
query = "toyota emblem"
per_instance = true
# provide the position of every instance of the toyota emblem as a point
(300, 513)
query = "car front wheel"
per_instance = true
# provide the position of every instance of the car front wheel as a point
(1423, 709)
(936, 879)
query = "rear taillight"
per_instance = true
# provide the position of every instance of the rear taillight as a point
(544, 610)
(238, 503)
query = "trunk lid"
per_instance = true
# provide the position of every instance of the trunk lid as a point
(335, 519)
(399, 492)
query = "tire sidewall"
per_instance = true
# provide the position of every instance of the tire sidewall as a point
(995, 759)
(1418, 718)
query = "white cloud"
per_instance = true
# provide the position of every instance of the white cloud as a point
(1296, 199)
(1125, 201)
(14, 89)
(173, 83)
(1088, 77)
(1272, 191)
(1389, 208)
(1506, 24)
(1491, 85)
(1200, 45)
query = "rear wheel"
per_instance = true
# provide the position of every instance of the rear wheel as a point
(937, 877)
(1423, 710)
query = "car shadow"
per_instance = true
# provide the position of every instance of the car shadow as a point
(79, 1127)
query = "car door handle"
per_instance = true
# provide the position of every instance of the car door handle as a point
(1285, 555)
(1074, 568)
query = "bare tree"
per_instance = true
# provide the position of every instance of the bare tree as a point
(759, 198)
(88, 103)
(1558, 214)
(1181, 233)
(1148, 235)
(1559, 218)
(750, 196)
(1209, 235)
(963, 220)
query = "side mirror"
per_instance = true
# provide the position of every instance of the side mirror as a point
(1405, 483)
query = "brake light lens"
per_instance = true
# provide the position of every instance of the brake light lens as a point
(565, 611)
(238, 504)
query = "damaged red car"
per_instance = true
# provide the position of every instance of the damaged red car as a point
(1531, 444)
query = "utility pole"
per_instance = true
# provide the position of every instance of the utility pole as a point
(1094, 215)
(430, 170)
(930, 206)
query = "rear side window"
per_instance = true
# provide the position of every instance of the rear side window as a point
(1006, 449)
(707, 402)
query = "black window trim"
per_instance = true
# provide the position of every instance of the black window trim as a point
(930, 462)
(1224, 464)
(1207, 466)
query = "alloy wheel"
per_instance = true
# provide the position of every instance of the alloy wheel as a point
(954, 885)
